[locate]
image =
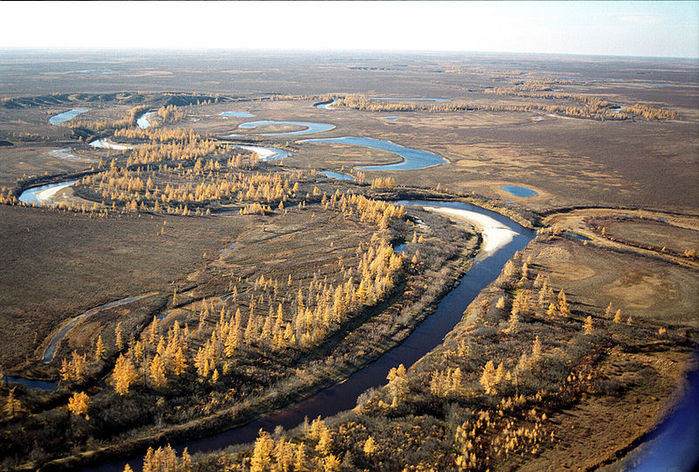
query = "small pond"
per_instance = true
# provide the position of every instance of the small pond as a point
(521, 192)
(66, 154)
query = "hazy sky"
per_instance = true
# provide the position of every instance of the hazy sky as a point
(609, 28)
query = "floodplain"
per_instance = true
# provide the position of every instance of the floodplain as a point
(210, 251)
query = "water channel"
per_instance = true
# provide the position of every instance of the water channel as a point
(428, 334)
(66, 116)
(44, 193)
(143, 122)
(413, 159)
(310, 127)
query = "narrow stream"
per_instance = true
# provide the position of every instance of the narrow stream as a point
(50, 351)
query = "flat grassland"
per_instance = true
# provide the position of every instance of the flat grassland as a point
(57, 266)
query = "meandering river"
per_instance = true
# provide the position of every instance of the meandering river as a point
(428, 334)
(413, 159)
(310, 127)
(44, 193)
(143, 122)
(502, 237)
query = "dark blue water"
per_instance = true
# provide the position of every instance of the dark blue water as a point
(37, 384)
(310, 127)
(65, 116)
(343, 396)
(241, 114)
(413, 158)
(676, 444)
(517, 191)
(399, 248)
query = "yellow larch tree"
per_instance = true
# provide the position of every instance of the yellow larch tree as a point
(157, 371)
(79, 403)
(99, 348)
(124, 375)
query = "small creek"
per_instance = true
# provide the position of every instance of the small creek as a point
(325, 105)
(50, 351)
(36, 384)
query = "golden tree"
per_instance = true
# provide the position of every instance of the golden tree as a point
(12, 405)
(488, 380)
(99, 348)
(179, 362)
(617, 316)
(124, 375)
(262, 453)
(157, 371)
(536, 350)
(369, 446)
(397, 382)
(78, 404)
(118, 336)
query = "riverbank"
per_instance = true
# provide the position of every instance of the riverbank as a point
(392, 322)
(555, 372)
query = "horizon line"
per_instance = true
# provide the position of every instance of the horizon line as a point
(47, 50)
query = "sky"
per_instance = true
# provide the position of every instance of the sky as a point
(660, 29)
